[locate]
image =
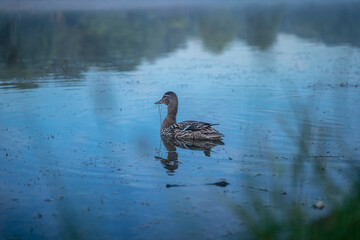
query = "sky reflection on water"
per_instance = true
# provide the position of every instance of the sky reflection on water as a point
(79, 133)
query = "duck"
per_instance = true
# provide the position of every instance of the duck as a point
(185, 130)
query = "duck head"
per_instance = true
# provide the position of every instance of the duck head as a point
(169, 99)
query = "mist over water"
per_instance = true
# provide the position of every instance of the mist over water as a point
(80, 150)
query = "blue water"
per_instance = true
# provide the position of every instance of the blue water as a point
(81, 154)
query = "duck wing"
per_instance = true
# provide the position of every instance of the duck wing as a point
(196, 125)
(195, 130)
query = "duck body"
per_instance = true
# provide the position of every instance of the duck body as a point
(191, 130)
(194, 130)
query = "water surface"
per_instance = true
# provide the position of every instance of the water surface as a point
(81, 154)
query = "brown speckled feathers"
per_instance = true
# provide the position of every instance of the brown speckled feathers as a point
(192, 130)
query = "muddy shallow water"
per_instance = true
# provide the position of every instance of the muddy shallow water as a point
(80, 150)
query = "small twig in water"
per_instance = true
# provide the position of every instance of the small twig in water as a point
(325, 156)
(174, 185)
(160, 109)
(219, 184)
(263, 190)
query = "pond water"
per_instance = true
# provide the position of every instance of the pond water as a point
(80, 150)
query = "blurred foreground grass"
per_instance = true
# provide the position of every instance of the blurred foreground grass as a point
(281, 215)
(342, 223)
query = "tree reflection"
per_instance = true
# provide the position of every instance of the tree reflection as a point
(217, 30)
(260, 26)
(66, 43)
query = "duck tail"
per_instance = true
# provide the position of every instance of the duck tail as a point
(215, 136)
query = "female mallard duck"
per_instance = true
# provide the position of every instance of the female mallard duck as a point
(187, 129)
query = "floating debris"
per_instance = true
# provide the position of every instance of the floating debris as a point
(326, 156)
(319, 205)
(219, 184)
(264, 190)
(174, 185)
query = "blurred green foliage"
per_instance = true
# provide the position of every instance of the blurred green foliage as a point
(289, 217)
(293, 222)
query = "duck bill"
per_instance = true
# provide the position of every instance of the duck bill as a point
(159, 102)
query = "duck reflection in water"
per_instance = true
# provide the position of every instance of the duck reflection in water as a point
(171, 162)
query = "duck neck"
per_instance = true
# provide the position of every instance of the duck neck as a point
(171, 115)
